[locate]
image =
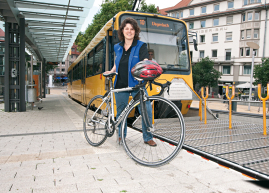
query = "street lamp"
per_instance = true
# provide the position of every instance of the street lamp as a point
(253, 46)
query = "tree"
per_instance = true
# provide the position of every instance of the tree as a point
(108, 10)
(204, 73)
(261, 73)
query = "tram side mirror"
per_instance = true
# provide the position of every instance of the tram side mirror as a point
(115, 38)
(195, 44)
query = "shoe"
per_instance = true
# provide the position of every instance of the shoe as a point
(150, 143)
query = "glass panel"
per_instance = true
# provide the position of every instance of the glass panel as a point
(228, 54)
(202, 23)
(216, 22)
(214, 53)
(226, 70)
(247, 51)
(228, 36)
(2, 70)
(216, 7)
(248, 33)
(168, 40)
(191, 25)
(191, 11)
(203, 9)
(202, 38)
(229, 19)
(243, 17)
(242, 34)
(249, 16)
(177, 15)
(215, 37)
(89, 69)
(245, 2)
(241, 51)
(230, 4)
(181, 14)
(257, 15)
(202, 54)
(256, 33)
(247, 69)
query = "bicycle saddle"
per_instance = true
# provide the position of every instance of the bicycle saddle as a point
(110, 74)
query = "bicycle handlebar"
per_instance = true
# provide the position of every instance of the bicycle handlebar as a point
(163, 86)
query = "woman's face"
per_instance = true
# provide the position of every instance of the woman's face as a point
(128, 32)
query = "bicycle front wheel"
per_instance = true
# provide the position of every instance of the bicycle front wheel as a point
(94, 122)
(168, 133)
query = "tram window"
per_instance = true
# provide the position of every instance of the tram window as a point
(168, 39)
(89, 71)
(98, 61)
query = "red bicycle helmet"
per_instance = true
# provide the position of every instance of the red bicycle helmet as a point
(146, 70)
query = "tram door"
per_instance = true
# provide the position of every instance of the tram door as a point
(83, 85)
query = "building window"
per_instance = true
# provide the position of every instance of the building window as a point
(228, 54)
(229, 19)
(202, 53)
(177, 15)
(243, 17)
(250, 16)
(202, 38)
(241, 52)
(173, 14)
(216, 22)
(247, 51)
(226, 70)
(242, 34)
(255, 52)
(216, 7)
(72, 49)
(215, 37)
(203, 10)
(191, 11)
(248, 33)
(247, 2)
(214, 53)
(63, 69)
(257, 16)
(247, 69)
(230, 4)
(229, 36)
(256, 33)
(202, 24)
(191, 24)
(181, 14)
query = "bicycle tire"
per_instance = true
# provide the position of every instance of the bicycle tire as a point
(95, 133)
(168, 134)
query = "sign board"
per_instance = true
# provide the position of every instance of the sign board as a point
(178, 90)
(52, 63)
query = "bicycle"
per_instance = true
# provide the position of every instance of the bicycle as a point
(167, 125)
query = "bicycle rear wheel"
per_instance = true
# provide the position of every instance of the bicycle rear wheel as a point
(94, 122)
(168, 133)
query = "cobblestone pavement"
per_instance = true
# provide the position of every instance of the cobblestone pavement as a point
(45, 151)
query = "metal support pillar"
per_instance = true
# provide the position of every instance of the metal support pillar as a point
(15, 66)
(22, 104)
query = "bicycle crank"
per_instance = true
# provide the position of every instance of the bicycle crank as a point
(111, 129)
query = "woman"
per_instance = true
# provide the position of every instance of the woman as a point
(129, 52)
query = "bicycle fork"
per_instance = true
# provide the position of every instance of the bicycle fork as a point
(144, 111)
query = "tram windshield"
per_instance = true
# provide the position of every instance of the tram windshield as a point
(167, 41)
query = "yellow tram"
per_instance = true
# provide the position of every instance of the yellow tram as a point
(165, 36)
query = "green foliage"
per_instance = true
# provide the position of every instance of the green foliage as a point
(108, 10)
(261, 73)
(204, 73)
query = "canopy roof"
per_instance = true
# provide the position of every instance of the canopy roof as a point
(245, 85)
(51, 26)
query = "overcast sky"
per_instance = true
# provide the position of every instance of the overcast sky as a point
(96, 6)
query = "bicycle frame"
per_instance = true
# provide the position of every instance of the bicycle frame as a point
(111, 114)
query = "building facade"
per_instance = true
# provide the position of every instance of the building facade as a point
(224, 29)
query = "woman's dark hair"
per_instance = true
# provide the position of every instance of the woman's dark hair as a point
(135, 26)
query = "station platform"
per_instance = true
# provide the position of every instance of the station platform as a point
(45, 151)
